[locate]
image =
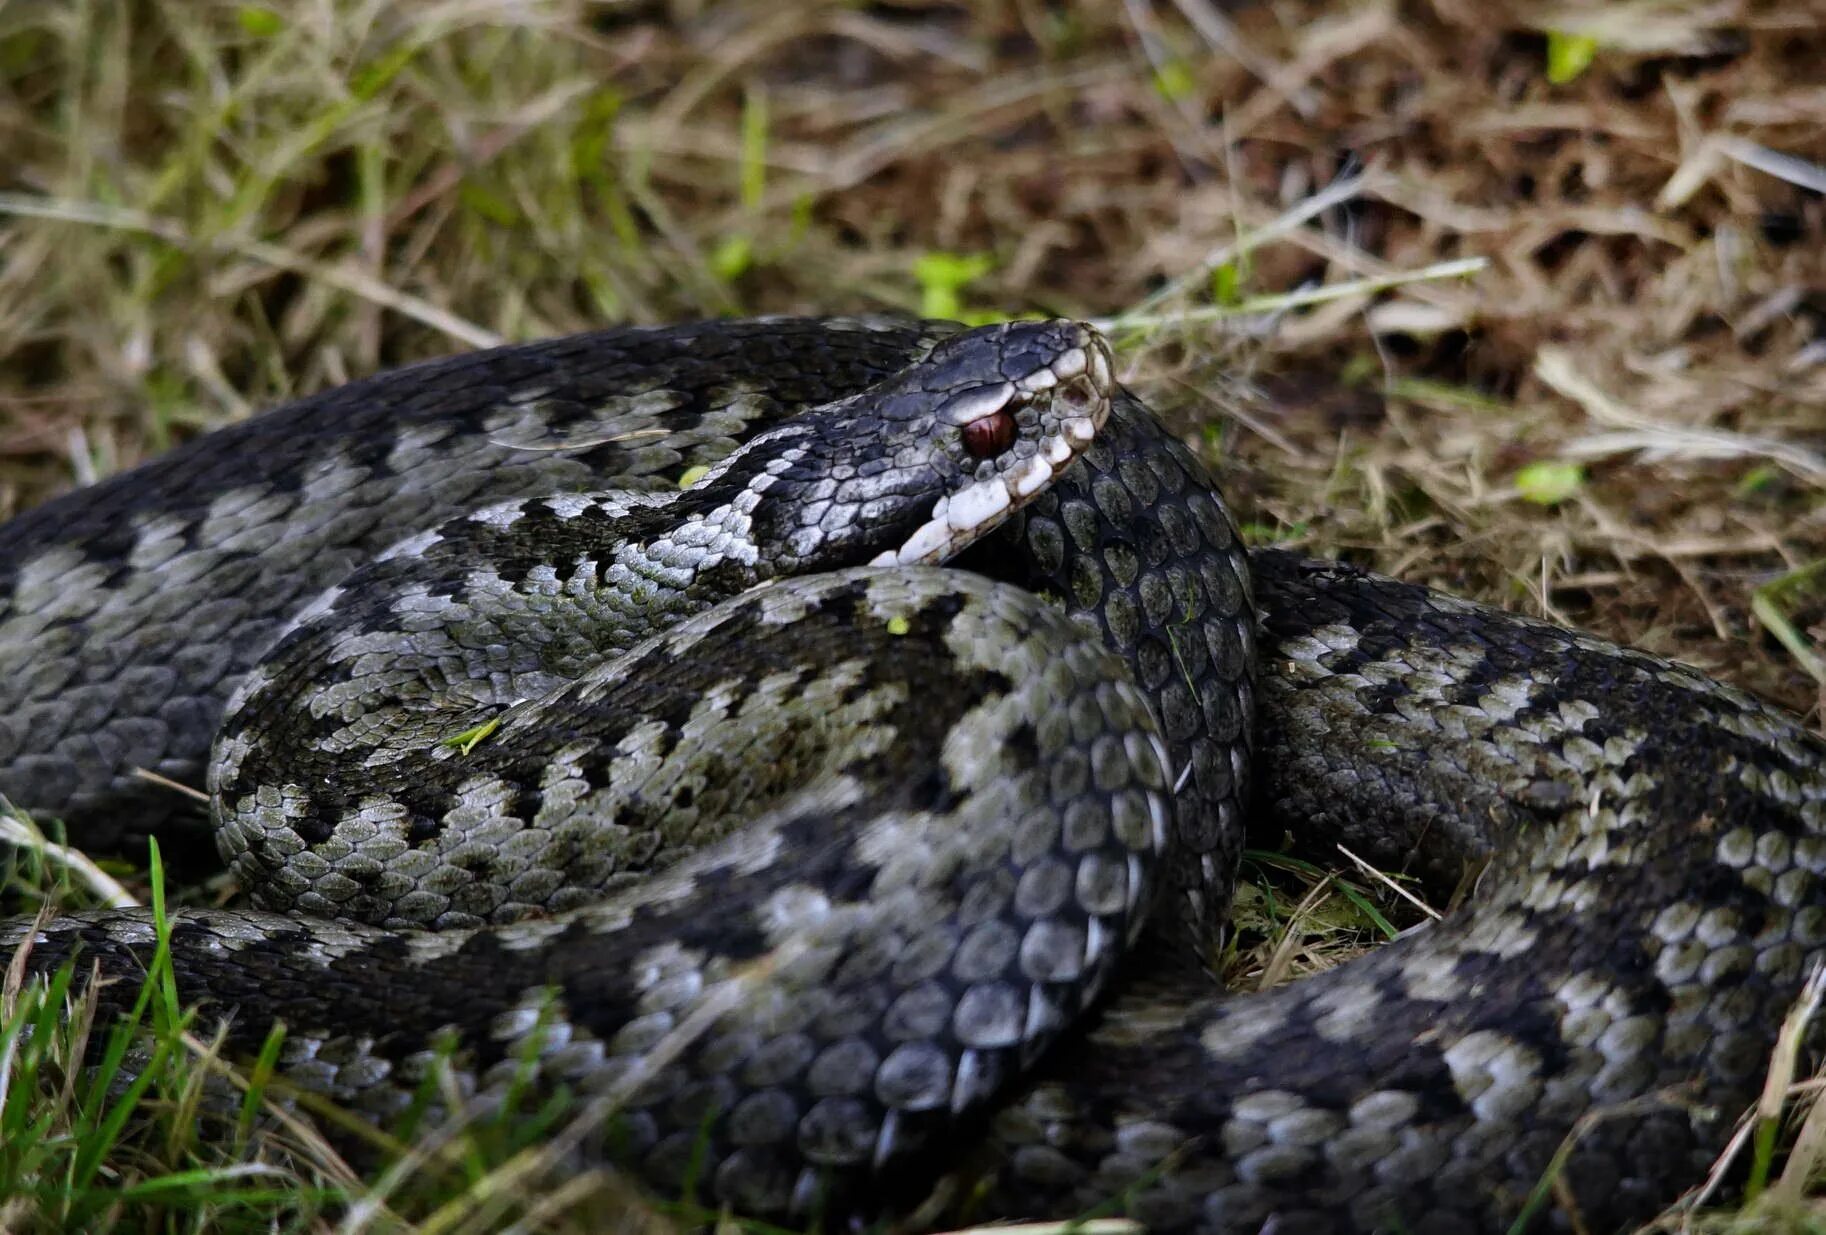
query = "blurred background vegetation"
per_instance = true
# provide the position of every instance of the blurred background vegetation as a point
(1524, 301)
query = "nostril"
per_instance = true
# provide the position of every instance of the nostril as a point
(1078, 395)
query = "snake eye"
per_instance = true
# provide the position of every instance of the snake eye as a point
(988, 436)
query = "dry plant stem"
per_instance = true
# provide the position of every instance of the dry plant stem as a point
(19, 830)
(1390, 884)
(1778, 1085)
(355, 282)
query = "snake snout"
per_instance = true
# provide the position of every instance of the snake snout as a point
(1019, 430)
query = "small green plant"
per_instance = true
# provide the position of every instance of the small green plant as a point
(1549, 482)
(1568, 55)
(942, 278)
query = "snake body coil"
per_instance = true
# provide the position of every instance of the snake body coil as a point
(922, 810)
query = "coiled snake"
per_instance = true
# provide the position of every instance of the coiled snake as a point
(489, 661)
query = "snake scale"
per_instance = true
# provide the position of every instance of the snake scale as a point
(912, 815)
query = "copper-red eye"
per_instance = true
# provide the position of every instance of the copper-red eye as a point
(988, 436)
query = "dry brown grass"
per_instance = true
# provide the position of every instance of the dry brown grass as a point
(207, 207)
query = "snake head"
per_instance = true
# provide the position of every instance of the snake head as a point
(925, 462)
(1017, 403)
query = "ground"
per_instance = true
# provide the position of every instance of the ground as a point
(1527, 302)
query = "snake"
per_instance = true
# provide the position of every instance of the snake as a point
(822, 747)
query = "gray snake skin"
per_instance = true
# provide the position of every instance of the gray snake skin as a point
(893, 925)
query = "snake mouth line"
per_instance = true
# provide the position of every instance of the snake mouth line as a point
(1080, 385)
